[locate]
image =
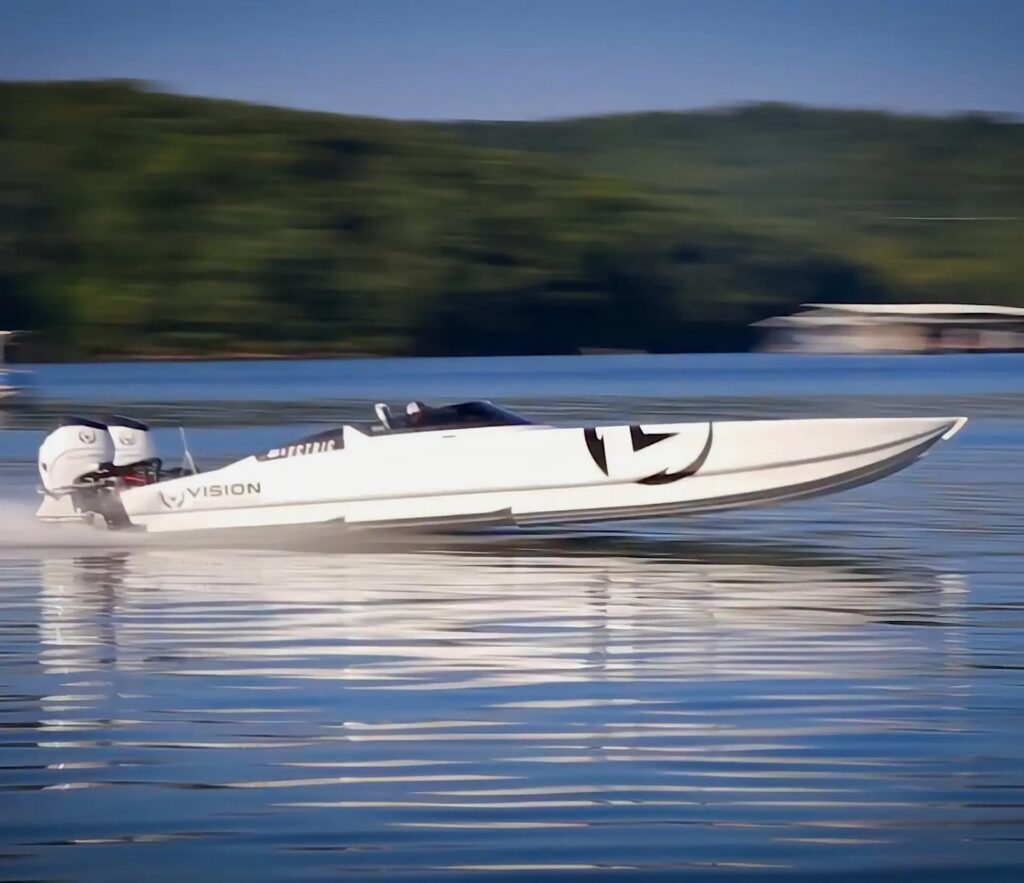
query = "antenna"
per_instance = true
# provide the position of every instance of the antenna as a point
(188, 463)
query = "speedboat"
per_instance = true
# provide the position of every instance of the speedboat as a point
(468, 466)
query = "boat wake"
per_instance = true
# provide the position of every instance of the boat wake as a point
(22, 530)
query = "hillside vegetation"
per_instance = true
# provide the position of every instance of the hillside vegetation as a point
(139, 223)
(932, 206)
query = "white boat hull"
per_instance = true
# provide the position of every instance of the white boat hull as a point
(529, 475)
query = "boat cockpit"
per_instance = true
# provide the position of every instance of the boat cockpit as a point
(419, 417)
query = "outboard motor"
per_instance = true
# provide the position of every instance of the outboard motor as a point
(133, 442)
(76, 449)
(78, 466)
(85, 465)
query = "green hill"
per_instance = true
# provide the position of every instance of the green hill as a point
(135, 222)
(933, 206)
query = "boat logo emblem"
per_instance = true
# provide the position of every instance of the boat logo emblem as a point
(172, 500)
(126, 438)
(86, 436)
(639, 440)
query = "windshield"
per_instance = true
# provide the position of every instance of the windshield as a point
(461, 416)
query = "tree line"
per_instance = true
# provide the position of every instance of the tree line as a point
(134, 222)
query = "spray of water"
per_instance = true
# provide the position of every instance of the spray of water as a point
(20, 531)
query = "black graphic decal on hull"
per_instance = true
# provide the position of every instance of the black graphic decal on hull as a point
(666, 477)
(595, 444)
(643, 439)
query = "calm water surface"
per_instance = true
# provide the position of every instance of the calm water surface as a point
(832, 689)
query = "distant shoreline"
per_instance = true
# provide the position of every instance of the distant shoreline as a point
(317, 355)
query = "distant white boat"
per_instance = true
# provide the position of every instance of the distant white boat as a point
(8, 389)
(895, 328)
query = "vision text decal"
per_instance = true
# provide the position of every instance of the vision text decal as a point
(178, 499)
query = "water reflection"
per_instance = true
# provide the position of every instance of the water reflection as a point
(528, 704)
(524, 611)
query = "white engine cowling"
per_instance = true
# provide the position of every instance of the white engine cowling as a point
(75, 448)
(132, 440)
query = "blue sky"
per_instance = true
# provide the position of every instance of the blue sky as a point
(525, 59)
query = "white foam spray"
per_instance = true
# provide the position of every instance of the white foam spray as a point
(20, 530)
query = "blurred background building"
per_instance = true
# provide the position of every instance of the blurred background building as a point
(895, 328)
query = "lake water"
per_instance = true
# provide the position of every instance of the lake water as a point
(830, 690)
